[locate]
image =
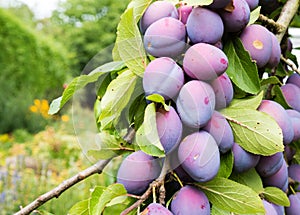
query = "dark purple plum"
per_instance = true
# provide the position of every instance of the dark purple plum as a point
(238, 18)
(217, 4)
(156, 11)
(279, 179)
(190, 200)
(177, 168)
(184, 12)
(220, 129)
(169, 128)
(294, 79)
(252, 4)
(269, 208)
(269, 165)
(163, 76)
(294, 173)
(289, 152)
(165, 37)
(156, 209)
(195, 103)
(257, 41)
(279, 209)
(279, 114)
(294, 207)
(292, 95)
(137, 171)
(204, 62)
(275, 54)
(243, 160)
(223, 89)
(204, 26)
(295, 118)
(199, 155)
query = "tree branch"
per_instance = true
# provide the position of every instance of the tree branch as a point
(56, 192)
(290, 64)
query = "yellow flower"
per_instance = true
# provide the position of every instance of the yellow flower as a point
(33, 109)
(37, 103)
(4, 138)
(65, 118)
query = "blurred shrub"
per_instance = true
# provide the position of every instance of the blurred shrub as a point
(31, 67)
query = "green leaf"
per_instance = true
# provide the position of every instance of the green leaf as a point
(102, 196)
(241, 70)
(137, 110)
(255, 131)
(118, 204)
(139, 7)
(226, 165)
(270, 80)
(116, 97)
(279, 97)
(80, 82)
(254, 15)
(147, 136)
(250, 179)
(231, 196)
(276, 195)
(251, 102)
(80, 208)
(158, 99)
(197, 2)
(217, 211)
(129, 44)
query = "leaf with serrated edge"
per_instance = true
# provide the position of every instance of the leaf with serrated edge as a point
(147, 135)
(251, 102)
(197, 2)
(81, 81)
(276, 195)
(130, 45)
(232, 196)
(241, 70)
(254, 15)
(255, 131)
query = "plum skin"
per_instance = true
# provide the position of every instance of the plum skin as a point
(190, 200)
(217, 4)
(183, 13)
(269, 208)
(199, 156)
(169, 128)
(275, 53)
(155, 208)
(165, 37)
(269, 165)
(294, 79)
(137, 171)
(292, 95)
(163, 76)
(195, 103)
(204, 62)
(294, 207)
(295, 118)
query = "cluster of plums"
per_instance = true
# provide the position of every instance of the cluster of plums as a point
(189, 71)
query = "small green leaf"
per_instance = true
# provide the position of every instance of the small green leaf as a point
(251, 102)
(147, 136)
(277, 196)
(250, 179)
(241, 70)
(270, 80)
(279, 97)
(80, 208)
(129, 44)
(137, 110)
(119, 204)
(81, 81)
(217, 211)
(102, 196)
(232, 196)
(139, 7)
(197, 2)
(255, 131)
(226, 165)
(158, 99)
(254, 15)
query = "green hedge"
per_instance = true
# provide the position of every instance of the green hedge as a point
(31, 67)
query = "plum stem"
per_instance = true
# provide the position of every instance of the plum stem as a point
(290, 64)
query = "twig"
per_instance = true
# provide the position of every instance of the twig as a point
(56, 192)
(270, 22)
(290, 64)
(287, 14)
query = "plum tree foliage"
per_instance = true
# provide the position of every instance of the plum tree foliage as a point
(203, 123)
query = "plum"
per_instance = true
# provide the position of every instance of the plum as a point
(156, 11)
(190, 200)
(243, 160)
(294, 79)
(294, 173)
(295, 118)
(217, 4)
(165, 37)
(238, 18)
(291, 94)
(169, 128)
(289, 152)
(184, 12)
(252, 4)
(257, 41)
(275, 54)
(155, 209)
(269, 208)
(195, 103)
(269, 165)
(204, 62)
(280, 115)
(204, 26)
(223, 89)
(199, 156)
(294, 207)
(137, 171)
(220, 129)
(163, 76)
